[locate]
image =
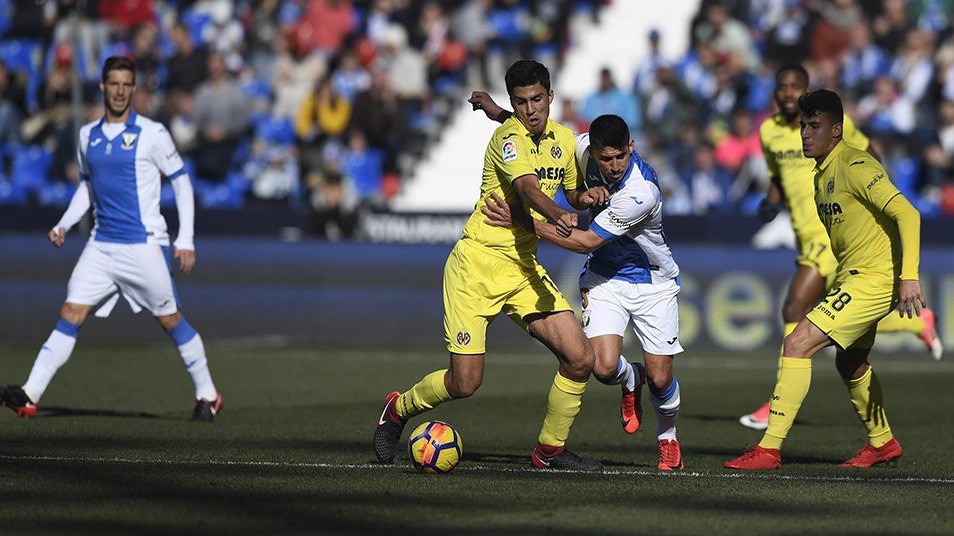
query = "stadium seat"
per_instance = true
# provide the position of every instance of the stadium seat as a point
(31, 164)
(365, 171)
(55, 194)
(12, 194)
(904, 175)
(277, 130)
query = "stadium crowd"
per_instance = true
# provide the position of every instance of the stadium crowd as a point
(324, 105)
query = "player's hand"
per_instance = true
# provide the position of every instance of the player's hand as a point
(481, 100)
(910, 299)
(768, 210)
(595, 196)
(497, 211)
(57, 236)
(566, 223)
(186, 260)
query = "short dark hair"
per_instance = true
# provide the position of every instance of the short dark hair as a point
(792, 68)
(609, 131)
(527, 73)
(118, 63)
(822, 101)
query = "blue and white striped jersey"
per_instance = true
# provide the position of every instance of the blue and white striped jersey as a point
(631, 223)
(123, 164)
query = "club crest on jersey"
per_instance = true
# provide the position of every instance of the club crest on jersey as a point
(508, 151)
(830, 187)
(129, 140)
(556, 152)
(463, 338)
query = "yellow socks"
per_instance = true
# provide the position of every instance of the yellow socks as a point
(894, 323)
(868, 401)
(426, 394)
(794, 378)
(563, 403)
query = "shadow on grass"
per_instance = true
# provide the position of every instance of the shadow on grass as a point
(59, 411)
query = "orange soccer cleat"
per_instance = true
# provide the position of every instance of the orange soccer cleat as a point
(757, 459)
(868, 455)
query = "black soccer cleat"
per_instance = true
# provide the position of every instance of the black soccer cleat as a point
(563, 460)
(205, 411)
(13, 397)
(388, 433)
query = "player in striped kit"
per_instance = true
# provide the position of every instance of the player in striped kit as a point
(121, 158)
(630, 276)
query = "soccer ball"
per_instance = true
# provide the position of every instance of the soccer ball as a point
(435, 447)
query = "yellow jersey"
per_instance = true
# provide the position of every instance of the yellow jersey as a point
(782, 147)
(851, 191)
(512, 153)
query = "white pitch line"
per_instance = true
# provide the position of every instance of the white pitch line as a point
(483, 468)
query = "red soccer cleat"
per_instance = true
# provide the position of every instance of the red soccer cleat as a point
(757, 459)
(929, 335)
(16, 399)
(758, 419)
(868, 455)
(631, 405)
(670, 457)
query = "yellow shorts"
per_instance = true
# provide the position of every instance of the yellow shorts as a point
(850, 311)
(816, 253)
(478, 285)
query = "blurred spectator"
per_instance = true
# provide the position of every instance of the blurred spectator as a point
(145, 52)
(669, 106)
(325, 113)
(912, 67)
(939, 154)
(294, 78)
(471, 27)
(10, 113)
(569, 116)
(406, 67)
(224, 33)
(332, 197)
(729, 37)
(324, 26)
(93, 34)
(830, 33)
(863, 61)
(787, 37)
(944, 60)
(378, 114)
(31, 20)
(350, 78)
(740, 144)
(188, 67)
(263, 29)
(181, 124)
(887, 113)
(123, 15)
(609, 99)
(644, 81)
(221, 119)
(272, 166)
(891, 25)
(707, 181)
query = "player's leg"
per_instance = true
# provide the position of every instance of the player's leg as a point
(89, 284)
(794, 379)
(561, 333)
(208, 400)
(665, 397)
(805, 289)
(605, 319)
(468, 310)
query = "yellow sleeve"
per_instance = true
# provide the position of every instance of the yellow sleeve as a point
(306, 116)
(769, 155)
(909, 227)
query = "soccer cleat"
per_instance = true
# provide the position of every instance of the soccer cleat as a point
(670, 457)
(758, 419)
(631, 405)
(757, 459)
(13, 397)
(929, 335)
(205, 411)
(868, 455)
(388, 433)
(548, 457)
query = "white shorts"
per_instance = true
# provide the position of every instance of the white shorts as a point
(609, 305)
(139, 271)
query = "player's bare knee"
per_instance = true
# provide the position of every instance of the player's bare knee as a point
(659, 381)
(463, 387)
(605, 368)
(169, 321)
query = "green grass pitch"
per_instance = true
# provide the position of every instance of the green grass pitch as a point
(112, 450)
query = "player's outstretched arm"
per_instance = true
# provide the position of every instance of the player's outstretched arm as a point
(582, 199)
(501, 214)
(481, 100)
(78, 206)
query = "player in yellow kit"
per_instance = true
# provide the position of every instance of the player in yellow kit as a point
(791, 184)
(875, 237)
(493, 270)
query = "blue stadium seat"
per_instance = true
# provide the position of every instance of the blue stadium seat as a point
(31, 165)
(12, 194)
(277, 130)
(365, 171)
(56, 194)
(904, 175)
(196, 23)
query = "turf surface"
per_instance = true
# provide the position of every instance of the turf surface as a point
(112, 451)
